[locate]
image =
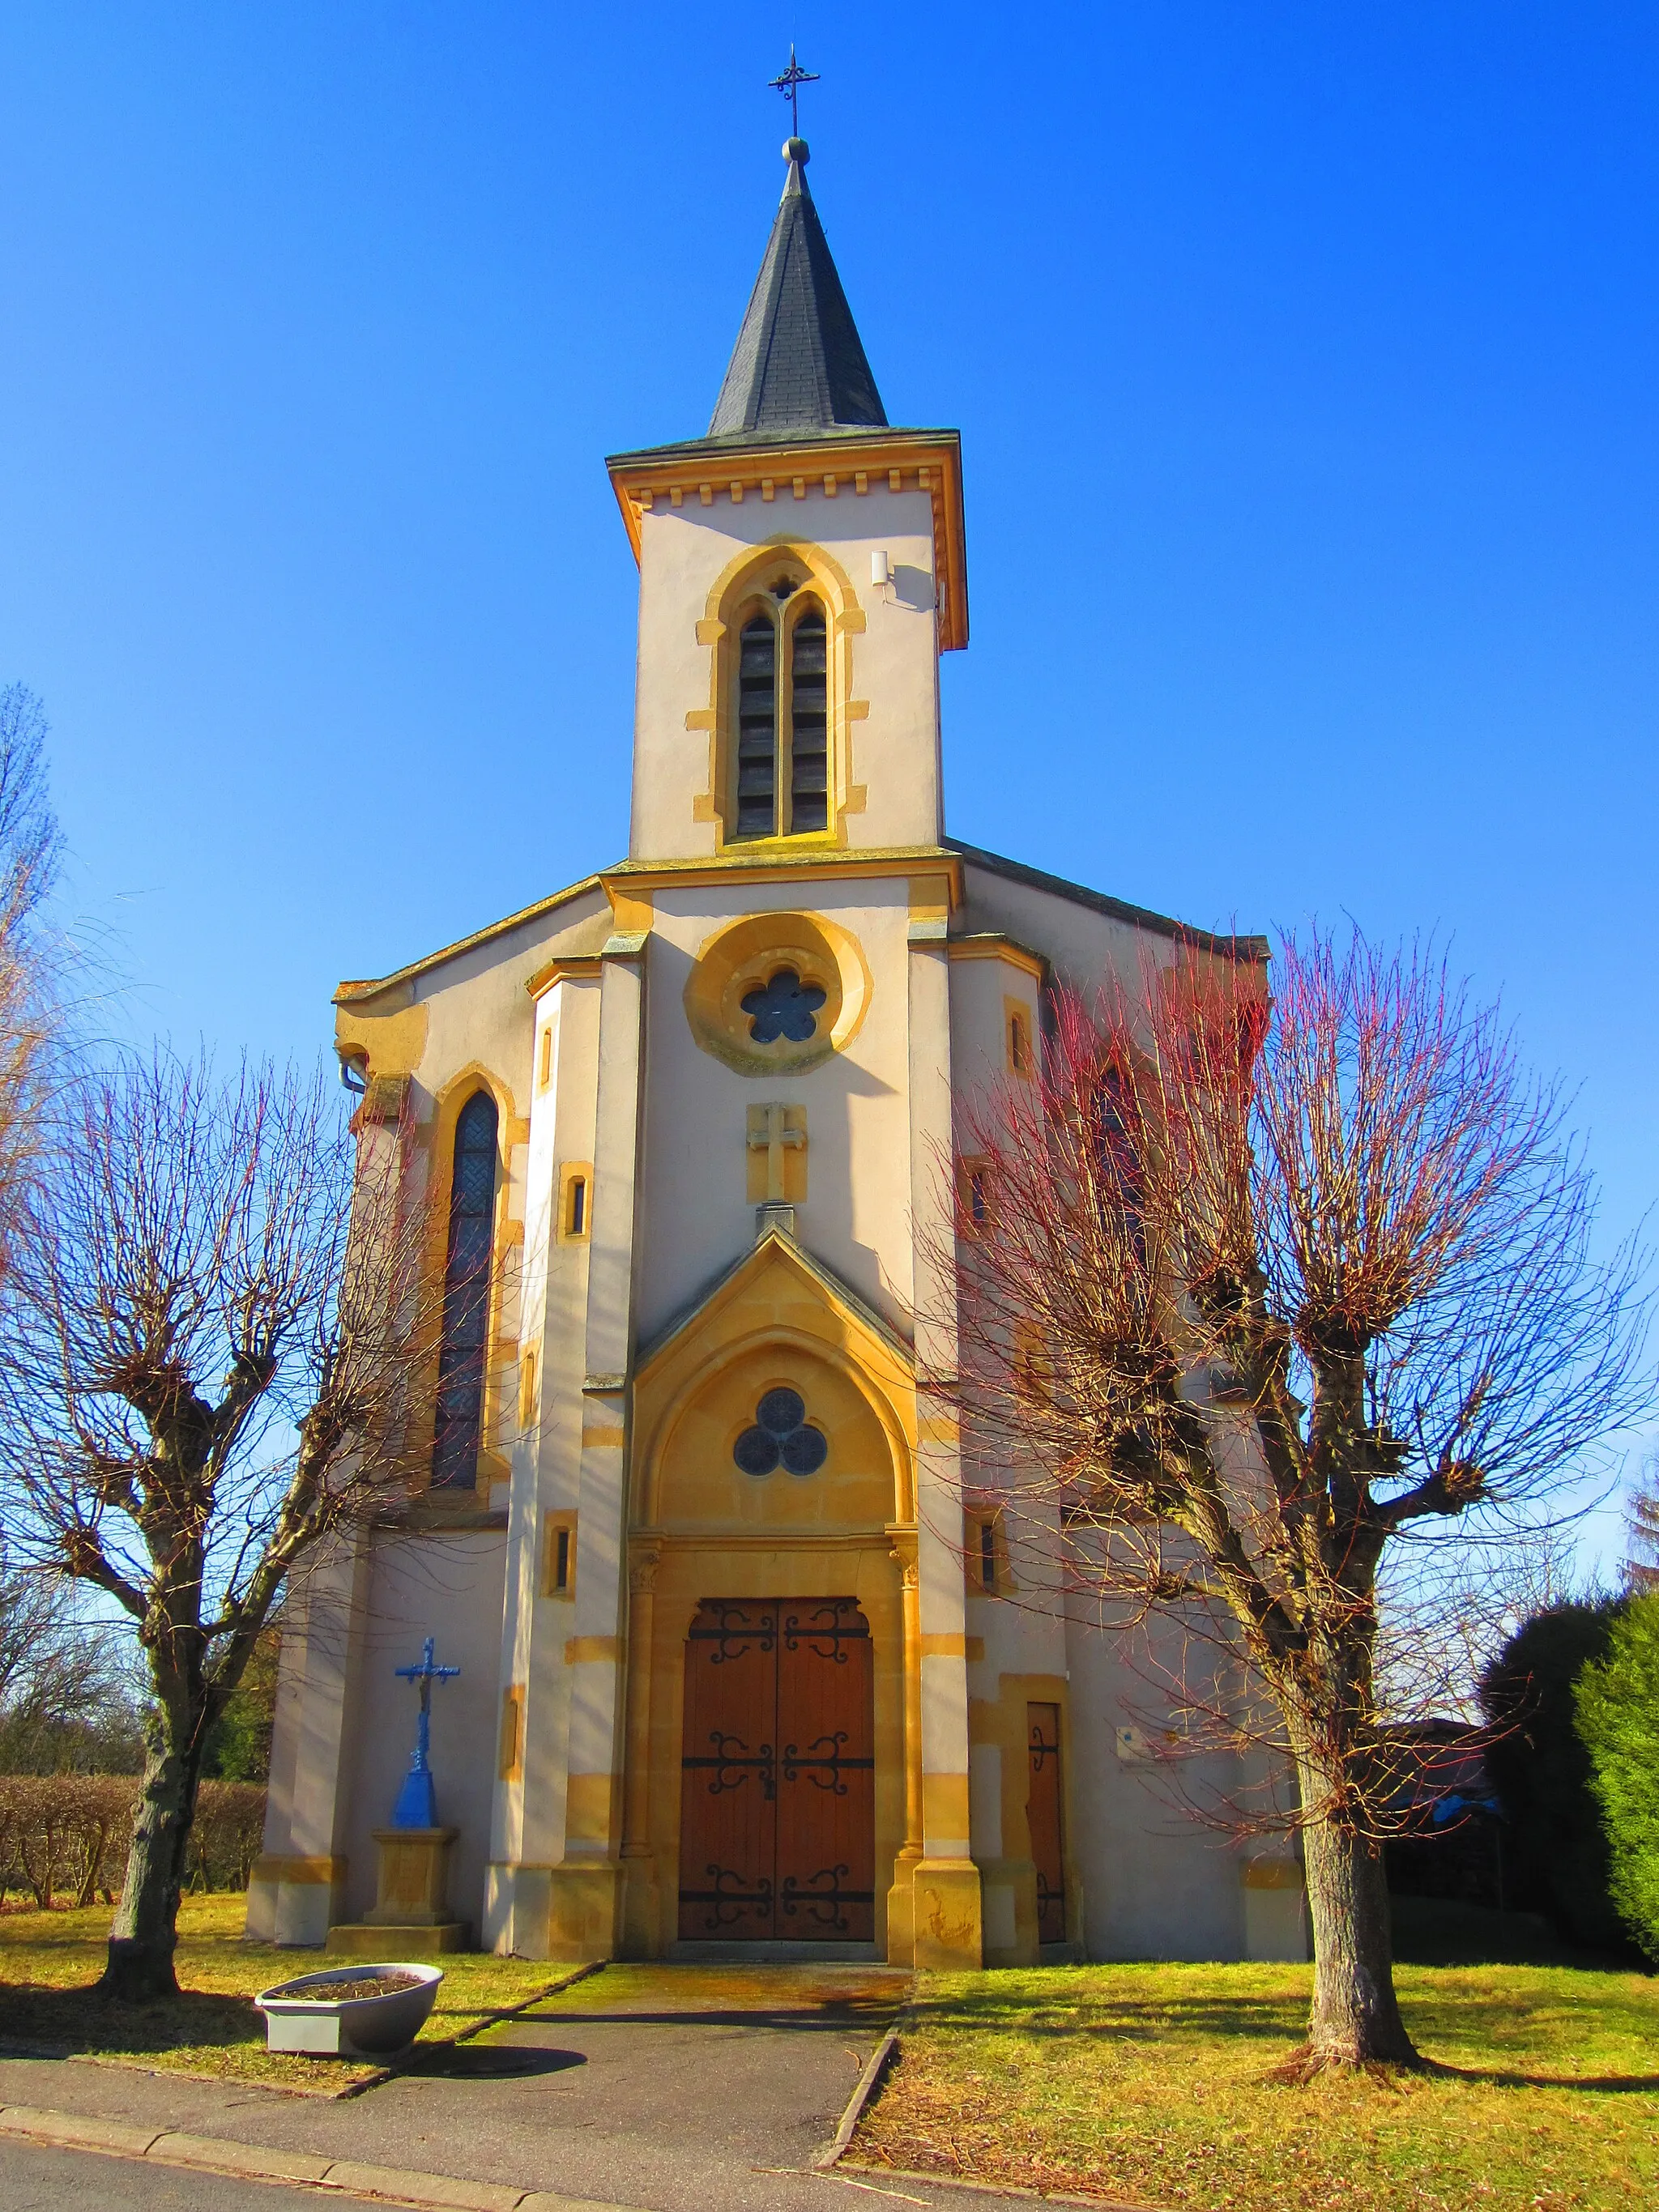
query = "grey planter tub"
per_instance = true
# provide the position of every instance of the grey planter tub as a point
(301, 2015)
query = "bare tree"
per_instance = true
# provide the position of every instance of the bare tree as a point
(30, 1010)
(1248, 1290)
(69, 1701)
(217, 1320)
(1642, 1572)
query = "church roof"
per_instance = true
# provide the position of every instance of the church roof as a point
(799, 365)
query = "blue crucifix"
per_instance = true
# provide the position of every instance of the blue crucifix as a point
(417, 1801)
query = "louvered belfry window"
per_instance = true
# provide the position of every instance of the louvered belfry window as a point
(464, 1349)
(809, 728)
(783, 720)
(758, 729)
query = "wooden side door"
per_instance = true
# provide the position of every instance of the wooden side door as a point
(826, 1801)
(728, 1781)
(1042, 1812)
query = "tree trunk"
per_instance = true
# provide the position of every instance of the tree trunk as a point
(1355, 2019)
(145, 1928)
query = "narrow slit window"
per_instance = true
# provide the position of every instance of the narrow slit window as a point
(1019, 1044)
(978, 1208)
(988, 1554)
(809, 726)
(559, 1555)
(758, 729)
(463, 1348)
(577, 1222)
(547, 1056)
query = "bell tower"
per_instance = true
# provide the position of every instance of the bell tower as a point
(801, 569)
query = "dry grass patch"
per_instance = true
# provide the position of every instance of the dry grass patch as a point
(49, 1961)
(1148, 2083)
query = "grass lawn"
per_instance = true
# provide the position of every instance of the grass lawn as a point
(48, 1961)
(1146, 2083)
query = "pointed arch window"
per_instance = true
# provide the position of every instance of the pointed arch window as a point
(781, 779)
(809, 720)
(758, 729)
(464, 1349)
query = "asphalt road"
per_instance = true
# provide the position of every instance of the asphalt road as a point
(34, 2179)
(677, 2088)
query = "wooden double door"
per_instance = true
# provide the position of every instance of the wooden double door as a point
(777, 1784)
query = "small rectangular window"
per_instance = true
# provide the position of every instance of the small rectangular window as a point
(575, 1219)
(985, 1561)
(973, 1193)
(547, 1056)
(1019, 1040)
(559, 1555)
(527, 1388)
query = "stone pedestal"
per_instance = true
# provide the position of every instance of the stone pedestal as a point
(410, 1916)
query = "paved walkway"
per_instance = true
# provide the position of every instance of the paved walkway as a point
(674, 2089)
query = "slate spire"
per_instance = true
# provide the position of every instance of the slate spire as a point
(798, 364)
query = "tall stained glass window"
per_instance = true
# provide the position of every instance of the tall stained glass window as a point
(463, 1350)
(809, 766)
(758, 730)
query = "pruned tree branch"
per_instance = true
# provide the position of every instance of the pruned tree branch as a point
(1289, 1280)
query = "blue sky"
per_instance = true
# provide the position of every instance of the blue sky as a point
(1304, 359)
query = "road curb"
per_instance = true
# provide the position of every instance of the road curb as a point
(341, 2176)
(863, 2090)
(852, 2166)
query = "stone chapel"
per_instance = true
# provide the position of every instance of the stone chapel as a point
(742, 1669)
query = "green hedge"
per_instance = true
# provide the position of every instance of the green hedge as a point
(1616, 1700)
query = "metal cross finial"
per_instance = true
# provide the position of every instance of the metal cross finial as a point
(789, 85)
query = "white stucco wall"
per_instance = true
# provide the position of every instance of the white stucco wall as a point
(685, 550)
(696, 1218)
(448, 1588)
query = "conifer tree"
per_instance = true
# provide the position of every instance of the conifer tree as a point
(1617, 1703)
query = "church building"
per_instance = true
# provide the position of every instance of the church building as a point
(744, 1666)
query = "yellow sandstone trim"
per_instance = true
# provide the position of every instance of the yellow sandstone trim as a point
(990, 945)
(511, 1762)
(562, 971)
(783, 853)
(639, 480)
(590, 1808)
(298, 1872)
(742, 956)
(581, 1649)
(1271, 1874)
(394, 1041)
(945, 1805)
(631, 911)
